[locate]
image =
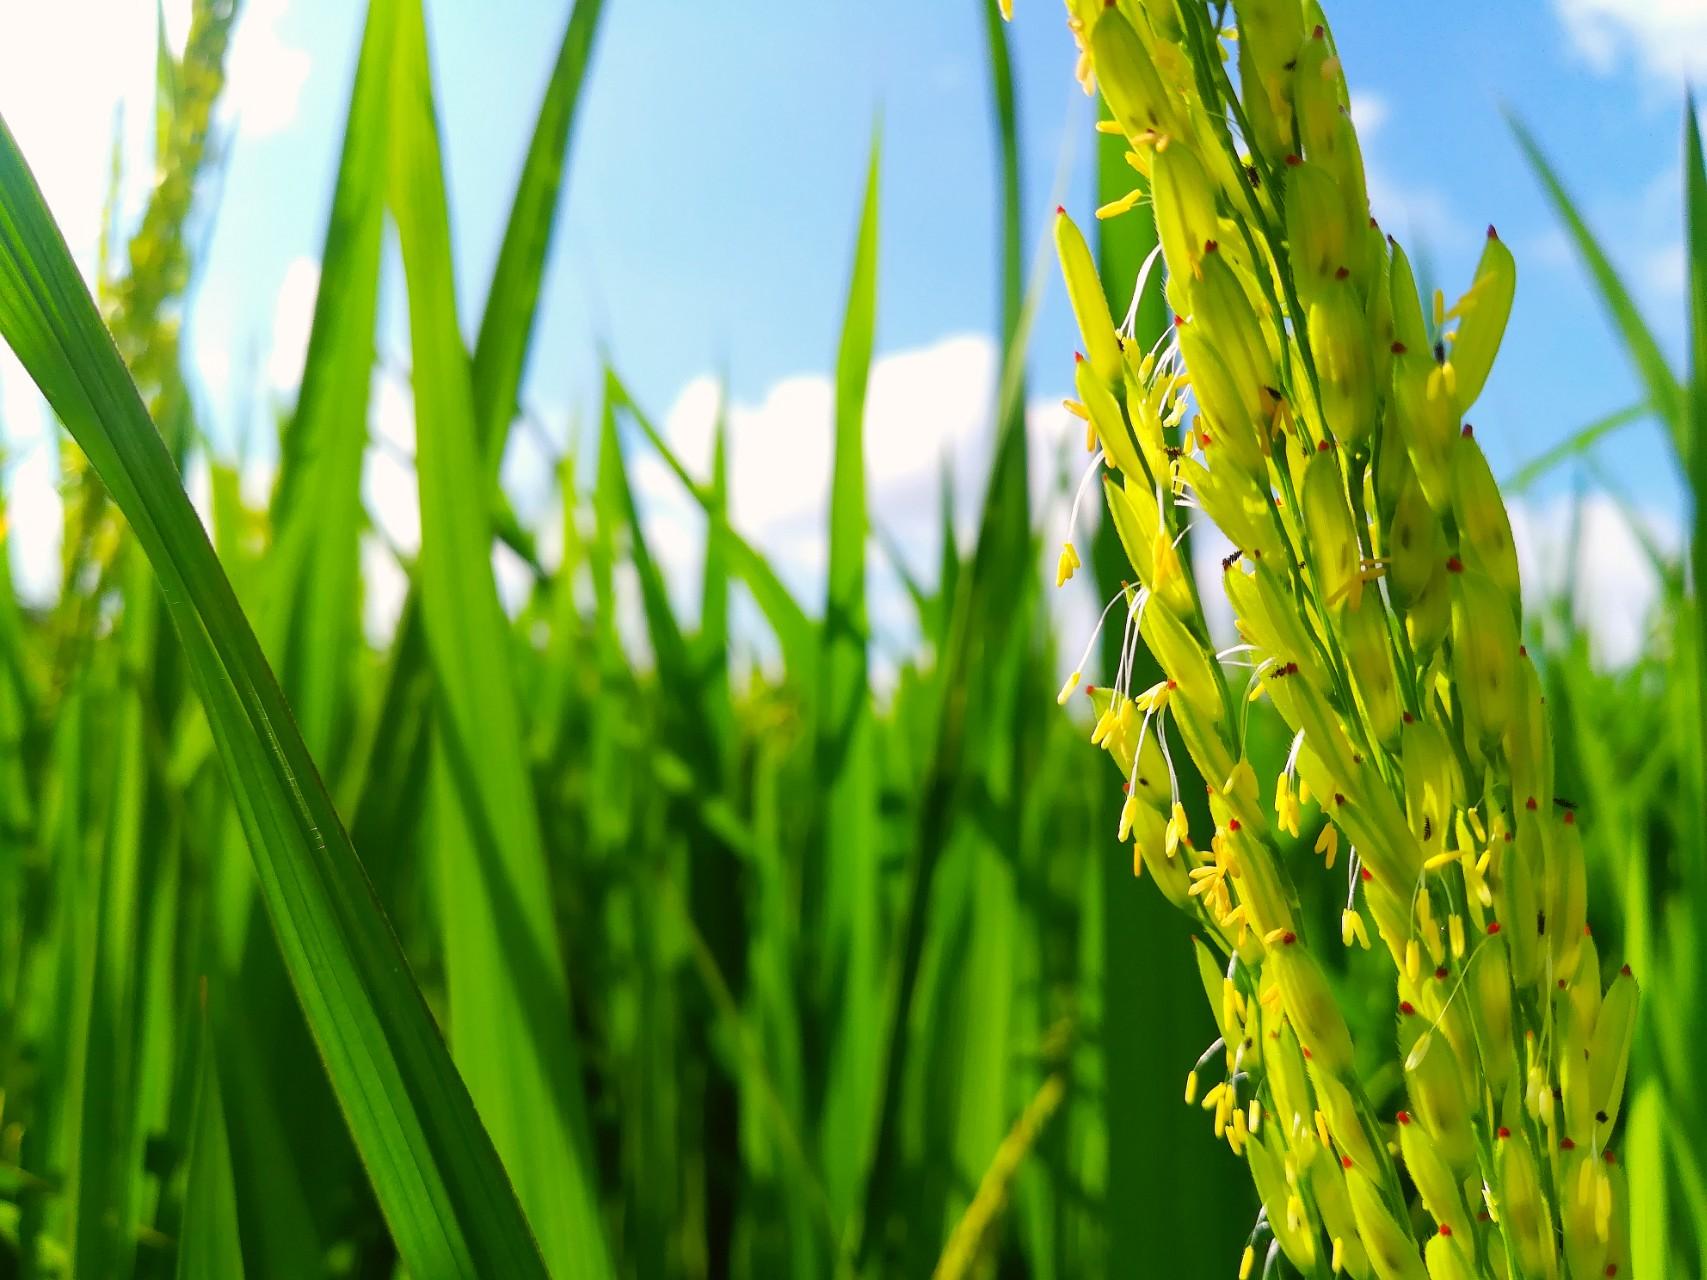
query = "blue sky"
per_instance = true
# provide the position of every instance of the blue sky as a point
(715, 182)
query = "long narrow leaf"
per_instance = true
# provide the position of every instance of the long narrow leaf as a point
(1644, 349)
(510, 1022)
(210, 1247)
(842, 894)
(506, 325)
(432, 1165)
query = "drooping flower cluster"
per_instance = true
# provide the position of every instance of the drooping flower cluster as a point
(1306, 403)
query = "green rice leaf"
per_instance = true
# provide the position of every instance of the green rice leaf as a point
(1696, 202)
(509, 1023)
(841, 900)
(512, 304)
(794, 630)
(209, 1245)
(437, 1177)
(1643, 348)
(1575, 445)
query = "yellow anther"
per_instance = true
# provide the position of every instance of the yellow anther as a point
(1128, 815)
(1351, 928)
(1065, 566)
(1114, 208)
(1155, 698)
(1455, 930)
(1329, 843)
(1179, 829)
(1067, 688)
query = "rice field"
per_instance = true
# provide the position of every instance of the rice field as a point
(554, 940)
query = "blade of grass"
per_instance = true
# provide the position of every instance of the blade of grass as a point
(1643, 348)
(1696, 200)
(307, 616)
(509, 1024)
(506, 329)
(1695, 869)
(432, 1165)
(1574, 445)
(209, 1246)
(794, 630)
(840, 895)
(512, 303)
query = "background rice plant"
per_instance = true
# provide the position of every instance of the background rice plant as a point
(757, 974)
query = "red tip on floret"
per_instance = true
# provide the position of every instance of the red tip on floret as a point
(1318, 33)
(1210, 246)
(1570, 818)
(1407, 1008)
(1502, 1132)
(1467, 431)
(1492, 234)
(1398, 348)
(1567, 1144)
(1232, 824)
(1179, 322)
(1609, 1157)
(1530, 804)
(1454, 565)
(1626, 972)
(1061, 209)
(1288, 938)
(1322, 446)
(1345, 1161)
(1294, 160)
(1440, 974)
(1366, 873)
(1404, 1117)
(1445, 1229)
(1341, 273)
(1493, 927)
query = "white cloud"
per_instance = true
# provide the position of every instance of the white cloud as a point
(34, 512)
(1665, 38)
(65, 70)
(388, 479)
(1421, 216)
(265, 74)
(293, 318)
(1593, 556)
(1369, 111)
(927, 409)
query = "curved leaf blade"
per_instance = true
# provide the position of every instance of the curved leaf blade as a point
(434, 1170)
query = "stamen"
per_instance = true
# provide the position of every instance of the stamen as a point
(1095, 632)
(1079, 494)
(1130, 324)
